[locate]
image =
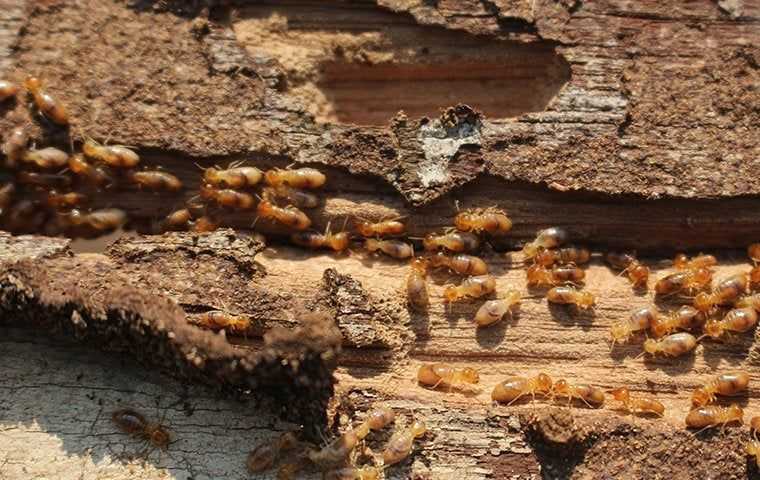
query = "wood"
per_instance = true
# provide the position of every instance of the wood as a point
(643, 135)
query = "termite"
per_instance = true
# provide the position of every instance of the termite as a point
(753, 446)
(401, 443)
(682, 262)
(738, 320)
(8, 90)
(264, 456)
(514, 388)
(494, 310)
(114, 156)
(235, 178)
(377, 419)
(416, 285)
(25, 216)
(570, 296)
(727, 384)
(385, 228)
(492, 221)
(297, 198)
(228, 198)
(454, 241)
(749, 301)
(106, 219)
(712, 415)
(64, 200)
(753, 251)
(637, 273)
(45, 103)
(49, 158)
(471, 287)
(547, 238)
(725, 291)
(45, 180)
(96, 175)
(298, 178)
(133, 423)
(155, 180)
(392, 248)
(440, 374)
(591, 396)
(15, 146)
(460, 263)
(540, 276)
(218, 320)
(684, 280)
(205, 224)
(673, 345)
(337, 242)
(353, 473)
(633, 405)
(336, 453)
(685, 318)
(564, 255)
(288, 216)
(639, 320)
(177, 220)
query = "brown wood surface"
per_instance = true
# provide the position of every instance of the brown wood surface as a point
(643, 134)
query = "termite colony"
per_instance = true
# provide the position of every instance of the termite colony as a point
(714, 309)
(338, 459)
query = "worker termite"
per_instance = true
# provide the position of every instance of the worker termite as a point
(564, 255)
(401, 443)
(8, 90)
(629, 265)
(353, 473)
(336, 453)
(337, 242)
(684, 280)
(639, 320)
(727, 384)
(635, 405)
(547, 238)
(494, 310)
(738, 320)
(297, 198)
(298, 178)
(682, 262)
(471, 287)
(750, 301)
(64, 200)
(204, 224)
(540, 276)
(685, 318)
(264, 456)
(725, 291)
(133, 423)
(218, 320)
(753, 251)
(591, 396)
(15, 146)
(177, 220)
(753, 449)
(454, 241)
(45, 103)
(235, 178)
(383, 228)
(416, 285)
(157, 180)
(460, 263)
(377, 419)
(45, 180)
(440, 374)
(514, 388)
(392, 248)
(492, 220)
(571, 296)
(712, 415)
(288, 216)
(106, 219)
(96, 175)
(49, 158)
(673, 345)
(114, 156)
(227, 198)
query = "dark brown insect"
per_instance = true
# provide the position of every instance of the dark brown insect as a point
(637, 273)
(134, 423)
(46, 103)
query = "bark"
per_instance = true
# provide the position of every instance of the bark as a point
(641, 133)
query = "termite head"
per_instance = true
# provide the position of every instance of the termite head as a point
(159, 436)
(210, 175)
(651, 346)
(450, 293)
(703, 302)
(470, 375)
(754, 252)
(561, 387)
(680, 261)
(621, 394)
(620, 332)
(735, 414)
(419, 265)
(512, 297)
(702, 396)
(754, 276)
(543, 383)
(265, 208)
(585, 299)
(753, 448)
(702, 276)
(639, 275)
(32, 83)
(714, 329)
(418, 428)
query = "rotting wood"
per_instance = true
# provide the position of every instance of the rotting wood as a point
(617, 127)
